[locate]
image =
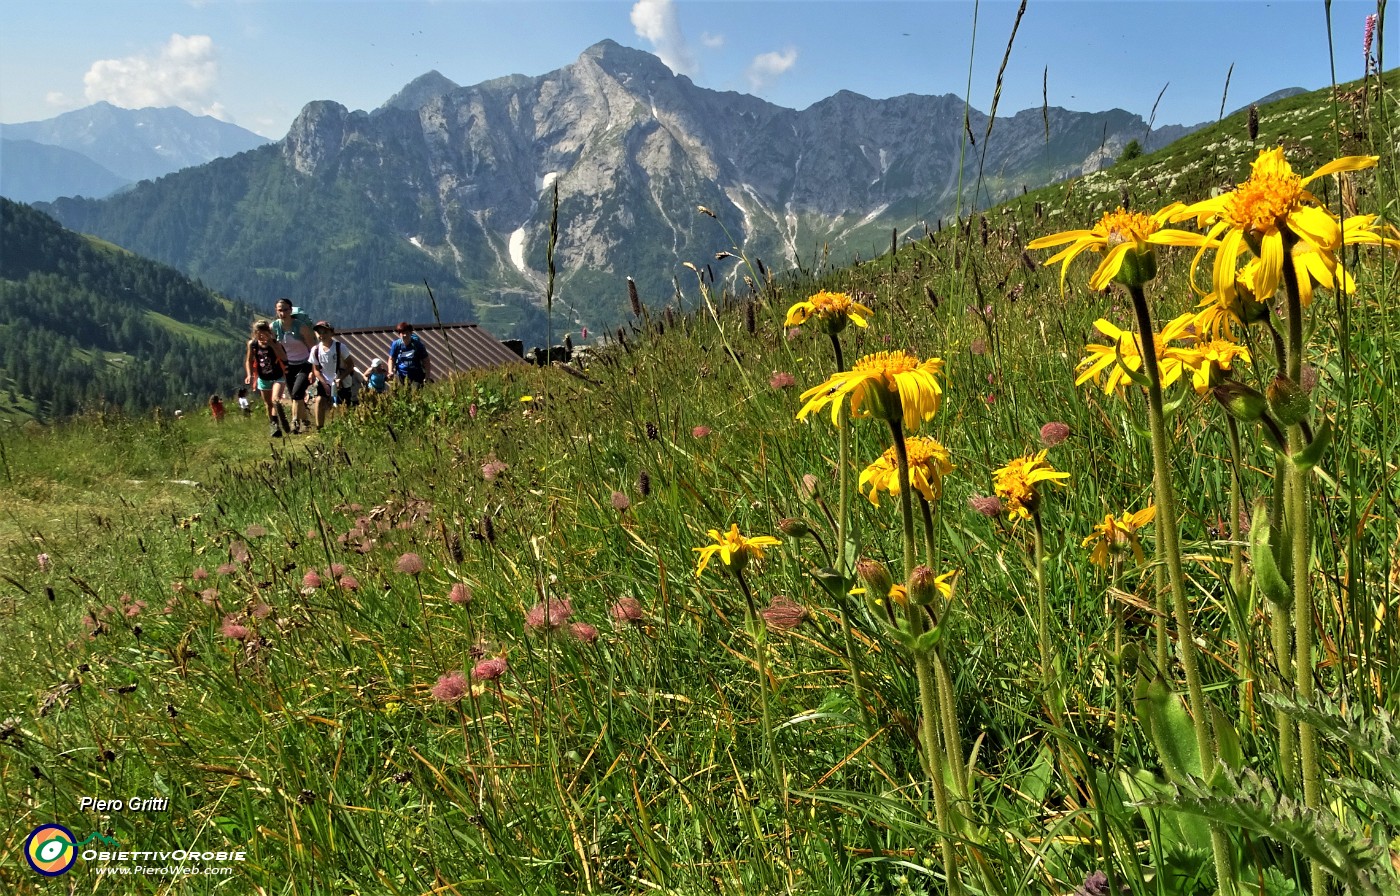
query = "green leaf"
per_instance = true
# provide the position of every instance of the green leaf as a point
(1309, 456)
(1227, 740)
(929, 639)
(1135, 376)
(1164, 716)
(1261, 556)
(833, 582)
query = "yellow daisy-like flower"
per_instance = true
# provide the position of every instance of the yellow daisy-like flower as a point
(734, 549)
(1269, 213)
(1016, 482)
(1126, 346)
(1208, 360)
(1316, 268)
(888, 385)
(1118, 535)
(928, 464)
(1127, 240)
(833, 309)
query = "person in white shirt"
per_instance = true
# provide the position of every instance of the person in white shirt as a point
(333, 371)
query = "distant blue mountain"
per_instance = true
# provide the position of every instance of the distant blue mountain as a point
(36, 172)
(132, 144)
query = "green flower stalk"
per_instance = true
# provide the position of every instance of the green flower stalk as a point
(1016, 486)
(833, 311)
(734, 551)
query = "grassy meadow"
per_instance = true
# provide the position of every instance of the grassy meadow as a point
(457, 643)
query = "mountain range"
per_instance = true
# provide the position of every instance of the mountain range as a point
(100, 149)
(353, 212)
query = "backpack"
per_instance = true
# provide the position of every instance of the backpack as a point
(409, 358)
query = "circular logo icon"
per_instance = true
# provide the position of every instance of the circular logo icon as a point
(50, 849)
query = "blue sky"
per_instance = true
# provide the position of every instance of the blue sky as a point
(258, 62)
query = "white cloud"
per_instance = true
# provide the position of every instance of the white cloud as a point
(711, 41)
(57, 98)
(183, 73)
(656, 23)
(767, 66)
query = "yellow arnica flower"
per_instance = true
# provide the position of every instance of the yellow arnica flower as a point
(734, 549)
(1124, 238)
(888, 385)
(1208, 360)
(1269, 213)
(1316, 268)
(1116, 536)
(1016, 482)
(928, 464)
(833, 309)
(1126, 345)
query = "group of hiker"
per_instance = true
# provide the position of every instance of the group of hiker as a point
(290, 359)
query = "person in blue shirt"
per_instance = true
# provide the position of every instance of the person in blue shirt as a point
(377, 378)
(408, 356)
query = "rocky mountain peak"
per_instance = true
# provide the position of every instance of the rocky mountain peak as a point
(420, 91)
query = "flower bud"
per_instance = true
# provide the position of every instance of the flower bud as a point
(1287, 400)
(794, 527)
(923, 586)
(876, 577)
(1241, 401)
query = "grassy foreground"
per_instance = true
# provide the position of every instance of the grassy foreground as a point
(457, 643)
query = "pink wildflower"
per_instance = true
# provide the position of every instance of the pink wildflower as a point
(782, 380)
(43, 560)
(409, 564)
(337, 570)
(1052, 434)
(620, 502)
(489, 669)
(255, 531)
(700, 432)
(450, 688)
(210, 597)
(492, 468)
(349, 583)
(460, 595)
(548, 615)
(200, 574)
(311, 581)
(135, 609)
(784, 614)
(234, 630)
(987, 505)
(627, 611)
(584, 632)
(978, 347)
(226, 569)
(261, 610)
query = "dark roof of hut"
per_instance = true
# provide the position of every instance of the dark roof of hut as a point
(452, 348)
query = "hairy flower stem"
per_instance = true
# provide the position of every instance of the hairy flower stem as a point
(1042, 618)
(952, 739)
(923, 671)
(760, 640)
(843, 515)
(1169, 554)
(1300, 544)
(1240, 614)
(1119, 720)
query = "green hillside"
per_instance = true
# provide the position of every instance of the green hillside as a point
(86, 325)
(498, 637)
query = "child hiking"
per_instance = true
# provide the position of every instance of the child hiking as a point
(264, 366)
(333, 369)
